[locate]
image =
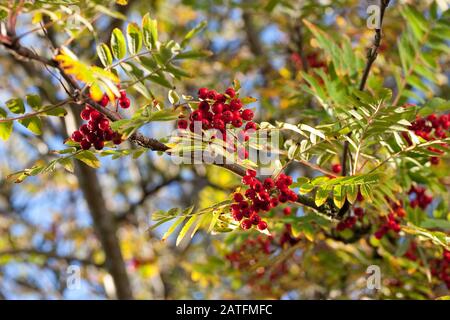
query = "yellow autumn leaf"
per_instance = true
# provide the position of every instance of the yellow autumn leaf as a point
(99, 80)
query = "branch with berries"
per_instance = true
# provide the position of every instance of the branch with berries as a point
(97, 130)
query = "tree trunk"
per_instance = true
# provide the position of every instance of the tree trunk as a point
(106, 229)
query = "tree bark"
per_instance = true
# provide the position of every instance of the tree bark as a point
(106, 229)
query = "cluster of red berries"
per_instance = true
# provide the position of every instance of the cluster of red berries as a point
(123, 101)
(261, 244)
(430, 128)
(419, 197)
(260, 197)
(440, 268)
(312, 59)
(252, 251)
(350, 221)
(219, 111)
(392, 221)
(96, 131)
(411, 253)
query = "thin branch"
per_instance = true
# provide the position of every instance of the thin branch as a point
(373, 52)
(33, 114)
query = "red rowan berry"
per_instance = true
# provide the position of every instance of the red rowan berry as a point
(91, 137)
(283, 198)
(217, 107)
(359, 212)
(434, 160)
(235, 104)
(221, 98)
(99, 144)
(77, 136)
(95, 115)
(237, 123)
(218, 124)
(336, 168)
(212, 95)
(103, 124)
(203, 93)
(196, 115)
(250, 193)
(250, 172)
(84, 129)
(262, 225)
(230, 92)
(238, 216)
(250, 125)
(85, 114)
(124, 103)
(287, 211)
(227, 116)
(85, 145)
(246, 224)
(247, 114)
(108, 135)
(269, 184)
(203, 106)
(104, 101)
(255, 219)
(182, 124)
(117, 139)
(238, 197)
(242, 153)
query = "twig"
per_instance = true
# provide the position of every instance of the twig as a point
(33, 114)
(371, 57)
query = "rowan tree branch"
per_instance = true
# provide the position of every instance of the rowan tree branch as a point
(137, 138)
(372, 54)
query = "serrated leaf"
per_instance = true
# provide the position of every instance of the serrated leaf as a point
(321, 196)
(67, 163)
(104, 54)
(187, 226)
(34, 101)
(248, 100)
(16, 106)
(173, 96)
(134, 38)
(173, 227)
(193, 55)
(352, 193)
(6, 130)
(34, 124)
(150, 31)
(338, 196)
(306, 188)
(118, 44)
(55, 112)
(193, 32)
(89, 159)
(161, 80)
